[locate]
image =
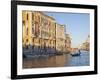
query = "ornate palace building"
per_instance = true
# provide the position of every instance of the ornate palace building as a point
(68, 43)
(60, 38)
(41, 33)
(38, 31)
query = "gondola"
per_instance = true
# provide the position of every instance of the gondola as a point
(76, 53)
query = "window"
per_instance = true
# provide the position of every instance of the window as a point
(26, 40)
(33, 43)
(32, 16)
(39, 19)
(32, 30)
(27, 31)
(27, 16)
(23, 22)
(32, 19)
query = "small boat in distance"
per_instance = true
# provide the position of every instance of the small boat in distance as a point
(76, 53)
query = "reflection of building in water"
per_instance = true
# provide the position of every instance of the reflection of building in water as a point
(54, 61)
(60, 38)
(86, 44)
(42, 34)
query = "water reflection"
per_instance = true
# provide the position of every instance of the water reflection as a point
(57, 61)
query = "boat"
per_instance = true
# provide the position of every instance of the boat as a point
(76, 53)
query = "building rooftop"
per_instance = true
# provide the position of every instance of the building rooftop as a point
(41, 12)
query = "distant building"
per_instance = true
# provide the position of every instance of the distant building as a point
(86, 44)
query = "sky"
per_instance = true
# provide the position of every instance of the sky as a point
(77, 25)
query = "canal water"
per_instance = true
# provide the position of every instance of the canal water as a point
(57, 61)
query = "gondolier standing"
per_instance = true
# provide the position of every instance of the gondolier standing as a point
(79, 51)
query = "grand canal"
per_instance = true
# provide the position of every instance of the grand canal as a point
(57, 61)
